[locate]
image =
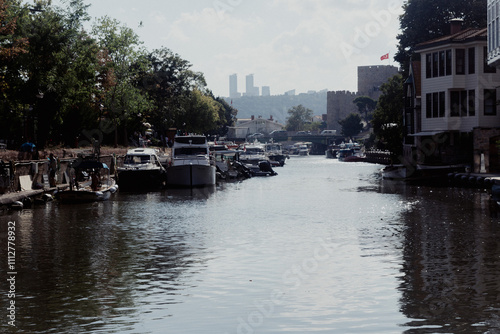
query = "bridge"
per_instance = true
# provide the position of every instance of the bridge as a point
(319, 142)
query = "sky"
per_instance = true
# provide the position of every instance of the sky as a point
(286, 44)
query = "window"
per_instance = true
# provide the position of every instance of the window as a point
(490, 102)
(435, 105)
(463, 103)
(472, 60)
(441, 63)
(460, 61)
(472, 102)
(428, 65)
(454, 104)
(448, 62)
(435, 64)
(442, 104)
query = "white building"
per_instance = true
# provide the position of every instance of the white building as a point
(458, 100)
(494, 32)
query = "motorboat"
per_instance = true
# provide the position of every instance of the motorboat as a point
(274, 152)
(191, 165)
(253, 156)
(91, 183)
(252, 153)
(142, 169)
(394, 172)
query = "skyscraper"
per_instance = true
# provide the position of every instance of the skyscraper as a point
(233, 86)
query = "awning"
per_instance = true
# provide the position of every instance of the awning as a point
(426, 133)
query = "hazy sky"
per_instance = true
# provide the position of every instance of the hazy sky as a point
(287, 44)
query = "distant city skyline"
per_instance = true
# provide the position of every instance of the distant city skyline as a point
(287, 44)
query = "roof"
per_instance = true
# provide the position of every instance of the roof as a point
(464, 36)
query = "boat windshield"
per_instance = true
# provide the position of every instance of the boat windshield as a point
(190, 151)
(136, 159)
(254, 150)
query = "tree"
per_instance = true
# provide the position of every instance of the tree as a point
(351, 125)
(169, 82)
(124, 103)
(299, 116)
(424, 20)
(10, 45)
(365, 105)
(388, 117)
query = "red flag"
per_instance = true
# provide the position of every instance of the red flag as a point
(386, 56)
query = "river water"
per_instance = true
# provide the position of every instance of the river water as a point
(324, 247)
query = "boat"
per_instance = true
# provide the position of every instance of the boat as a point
(92, 183)
(142, 169)
(253, 157)
(274, 152)
(191, 165)
(301, 148)
(350, 152)
(394, 172)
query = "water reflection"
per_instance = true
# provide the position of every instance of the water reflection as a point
(405, 258)
(451, 260)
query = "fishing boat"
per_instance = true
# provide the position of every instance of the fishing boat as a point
(141, 170)
(191, 165)
(92, 183)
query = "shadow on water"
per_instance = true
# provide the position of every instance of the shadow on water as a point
(451, 264)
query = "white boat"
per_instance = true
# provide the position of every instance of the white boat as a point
(92, 183)
(253, 156)
(191, 165)
(274, 152)
(141, 170)
(394, 172)
(253, 153)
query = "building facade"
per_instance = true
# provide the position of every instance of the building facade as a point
(494, 32)
(457, 108)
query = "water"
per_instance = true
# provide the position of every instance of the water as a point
(324, 247)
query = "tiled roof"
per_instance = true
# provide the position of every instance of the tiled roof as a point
(463, 36)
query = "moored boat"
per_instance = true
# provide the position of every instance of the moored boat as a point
(141, 170)
(191, 165)
(92, 183)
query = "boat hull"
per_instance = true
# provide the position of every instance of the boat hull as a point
(395, 172)
(141, 179)
(191, 175)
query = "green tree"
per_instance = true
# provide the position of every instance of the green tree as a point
(169, 82)
(351, 125)
(299, 116)
(424, 20)
(365, 105)
(388, 117)
(124, 103)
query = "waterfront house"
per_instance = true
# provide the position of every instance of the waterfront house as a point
(451, 114)
(245, 127)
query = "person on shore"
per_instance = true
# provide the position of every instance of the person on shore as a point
(52, 170)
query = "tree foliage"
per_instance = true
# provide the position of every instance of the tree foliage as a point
(351, 125)
(424, 20)
(388, 117)
(298, 118)
(60, 84)
(365, 105)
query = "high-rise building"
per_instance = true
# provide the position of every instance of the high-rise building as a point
(233, 86)
(266, 91)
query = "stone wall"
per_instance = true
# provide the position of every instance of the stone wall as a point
(370, 78)
(339, 105)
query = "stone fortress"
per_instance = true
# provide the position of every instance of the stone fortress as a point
(340, 103)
